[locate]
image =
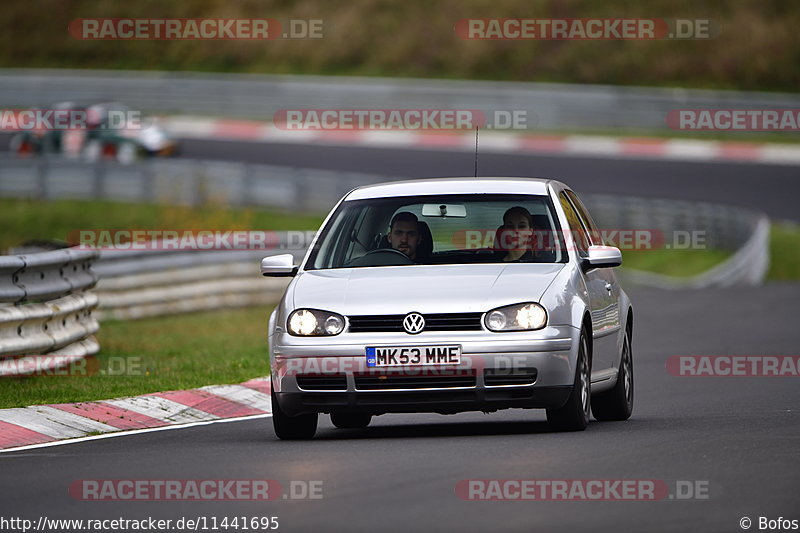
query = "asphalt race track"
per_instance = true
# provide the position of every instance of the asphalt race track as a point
(739, 437)
(770, 188)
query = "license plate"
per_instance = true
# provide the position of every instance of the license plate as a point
(449, 354)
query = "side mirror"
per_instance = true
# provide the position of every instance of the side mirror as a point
(278, 266)
(602, 257)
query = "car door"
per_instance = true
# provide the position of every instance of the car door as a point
(601, 285)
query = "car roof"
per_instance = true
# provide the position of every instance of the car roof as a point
(429, 186)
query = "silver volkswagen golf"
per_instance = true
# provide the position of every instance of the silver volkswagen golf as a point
(448, 295)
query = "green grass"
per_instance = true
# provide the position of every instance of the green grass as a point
(678, 263)
(22, 220)
(785, 255)
(755, 46)
(157, 354)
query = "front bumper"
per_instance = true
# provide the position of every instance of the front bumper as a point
(497, 371)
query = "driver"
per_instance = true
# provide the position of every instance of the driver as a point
(404, 234)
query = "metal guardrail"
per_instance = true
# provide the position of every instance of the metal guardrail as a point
(748, 266)
(143, 283)
(674, 223)
(549, 105)
(179, 181)
(45, 275)
(742, 231)
(46, 310)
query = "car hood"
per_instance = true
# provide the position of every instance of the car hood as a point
(428, 289)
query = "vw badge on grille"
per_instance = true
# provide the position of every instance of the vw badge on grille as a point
(413, 323)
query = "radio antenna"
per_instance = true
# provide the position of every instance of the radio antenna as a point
(476, 151)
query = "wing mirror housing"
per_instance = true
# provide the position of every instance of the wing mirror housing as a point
(602, 257)
(279, 266)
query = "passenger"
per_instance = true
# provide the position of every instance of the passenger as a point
(404, 234)
(516, 235)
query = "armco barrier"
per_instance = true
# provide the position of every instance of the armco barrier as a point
(142, 283)
(46, 309)
(179, 181)
(259, 97)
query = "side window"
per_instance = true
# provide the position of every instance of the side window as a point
(579, 233)
(594, 234)
(357, 248)
(333, 247)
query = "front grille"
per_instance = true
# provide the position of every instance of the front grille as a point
(427, 380)
(433, 322)
(516, 376)
(322, 382)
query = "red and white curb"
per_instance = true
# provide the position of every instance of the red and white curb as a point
(492, 141)
(40, 424)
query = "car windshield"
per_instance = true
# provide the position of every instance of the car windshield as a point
(440, 230)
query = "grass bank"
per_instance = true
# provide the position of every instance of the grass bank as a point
(156, 354)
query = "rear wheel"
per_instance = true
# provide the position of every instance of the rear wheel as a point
(93, 151)
(574, 415)
(350, 420)
(300, 427)
(127, 153)
(617, 403)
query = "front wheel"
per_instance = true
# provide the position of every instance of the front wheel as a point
(574, 415)
(300, 427)
(617, 403)
(21, 146)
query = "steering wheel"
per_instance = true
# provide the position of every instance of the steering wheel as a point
(392, 258)
(386, 250)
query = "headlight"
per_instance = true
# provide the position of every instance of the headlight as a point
(313, 323)
(518, 317)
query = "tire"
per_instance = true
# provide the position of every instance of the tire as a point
(127, 153)
(351, 420)
(574, 415)
(617, 403)
(93, 151)
(300, 427)
(19, 146)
